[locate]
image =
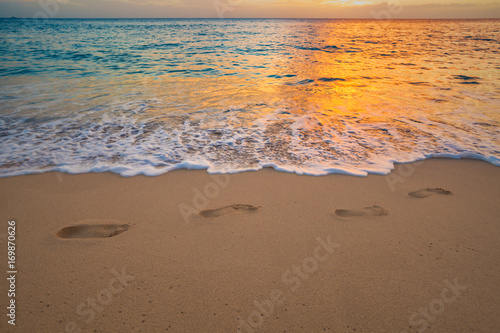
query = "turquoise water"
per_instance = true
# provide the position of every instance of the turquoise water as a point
(305, 96)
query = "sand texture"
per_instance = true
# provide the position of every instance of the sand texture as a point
(417, 250)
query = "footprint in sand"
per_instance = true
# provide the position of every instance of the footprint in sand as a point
(365, 212)
(428, 192)
(92, 230)
(228, 210)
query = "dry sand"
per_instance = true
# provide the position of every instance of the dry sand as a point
(263, 251)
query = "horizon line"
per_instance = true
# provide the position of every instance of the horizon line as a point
(240, 18)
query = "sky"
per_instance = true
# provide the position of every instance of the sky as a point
(378, 9)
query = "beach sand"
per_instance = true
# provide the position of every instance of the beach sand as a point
(258, 251)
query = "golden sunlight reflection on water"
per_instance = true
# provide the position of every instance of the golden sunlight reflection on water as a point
(291, 92)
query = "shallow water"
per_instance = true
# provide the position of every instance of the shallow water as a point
(305, 96)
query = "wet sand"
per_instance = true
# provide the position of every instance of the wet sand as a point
(416, 250)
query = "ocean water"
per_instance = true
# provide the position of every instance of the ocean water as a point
(305, 96)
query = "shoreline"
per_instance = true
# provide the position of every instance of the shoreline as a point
(417, 249)
(310, 171)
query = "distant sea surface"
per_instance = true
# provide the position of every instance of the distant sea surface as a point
(305, 96)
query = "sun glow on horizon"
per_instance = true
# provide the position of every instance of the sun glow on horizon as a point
(400, 9)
